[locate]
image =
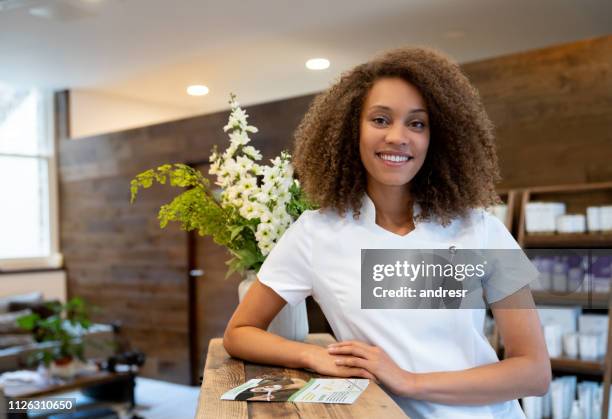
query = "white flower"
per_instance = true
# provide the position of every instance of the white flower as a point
(258, 192)
(271, 175)
(282, 197)
(279, 212)
(225, 175)
(248, 184)
(233, 192)
(231, 150)
(214, 168)
(257, 170)
(288, 171)
(250, 210)
(252, 152)
(262, 197)
(264, 232)
(244, 165)
(237, 120)
(286, 183)
(266, 247)
(239, 138)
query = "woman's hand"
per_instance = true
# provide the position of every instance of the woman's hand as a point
(354, 354)
(318, 359)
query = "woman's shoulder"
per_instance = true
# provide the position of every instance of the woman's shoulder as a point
(492, 230)
(478, 218)
(474, 229)
(313, 219)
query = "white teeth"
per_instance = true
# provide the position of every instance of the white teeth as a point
(394, 158)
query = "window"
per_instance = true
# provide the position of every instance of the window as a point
(28, 191)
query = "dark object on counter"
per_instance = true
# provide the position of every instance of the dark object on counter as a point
(131, 358)
(119, 390)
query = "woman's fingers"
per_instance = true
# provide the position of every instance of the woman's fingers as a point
(366, 374)
(349, 342)
(352, 362)
(349, 350)
(357, 372)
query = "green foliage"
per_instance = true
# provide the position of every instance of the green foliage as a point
(196, 208)
(299, 202)
(61, 327)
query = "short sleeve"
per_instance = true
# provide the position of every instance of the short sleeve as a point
(287, 268)
(511, 269)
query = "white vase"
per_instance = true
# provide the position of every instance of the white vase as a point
(291, 322)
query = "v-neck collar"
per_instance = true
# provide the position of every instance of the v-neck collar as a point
(368, 215)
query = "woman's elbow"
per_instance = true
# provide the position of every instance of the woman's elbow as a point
(228, 341)
(541, 378)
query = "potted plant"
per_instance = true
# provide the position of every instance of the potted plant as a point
(247, 214)
(63, 328)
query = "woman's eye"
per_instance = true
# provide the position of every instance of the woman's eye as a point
(417, 124)
(379, 120)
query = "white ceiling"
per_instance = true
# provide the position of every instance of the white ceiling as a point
(151, 49)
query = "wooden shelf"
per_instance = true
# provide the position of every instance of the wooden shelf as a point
(583, 299)
(568, 241)
(578, 198)
(577, 366)
(509, 197)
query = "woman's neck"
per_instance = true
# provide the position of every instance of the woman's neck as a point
(393, 207)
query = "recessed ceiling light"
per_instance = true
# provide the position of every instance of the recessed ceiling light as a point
(197, 90)
(317, 64)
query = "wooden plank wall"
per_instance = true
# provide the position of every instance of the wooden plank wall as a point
(553, 113)
(116, 255)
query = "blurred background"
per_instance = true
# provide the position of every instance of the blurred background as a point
(93, 92)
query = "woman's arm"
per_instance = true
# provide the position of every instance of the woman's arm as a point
(246, 337)
(524, 372)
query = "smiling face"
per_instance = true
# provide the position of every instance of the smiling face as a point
(394, 133)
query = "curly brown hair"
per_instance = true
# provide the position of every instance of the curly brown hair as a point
(460, 169)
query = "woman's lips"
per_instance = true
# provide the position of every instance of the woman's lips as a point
(391, 163)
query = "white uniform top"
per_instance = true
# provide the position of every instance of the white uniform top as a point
(320, 255)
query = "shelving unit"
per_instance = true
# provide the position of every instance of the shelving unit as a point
(577, 199)
(596, 300)
(571, 365)
(568, 240)
(510, 198)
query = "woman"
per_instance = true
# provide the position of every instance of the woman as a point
(398, 154)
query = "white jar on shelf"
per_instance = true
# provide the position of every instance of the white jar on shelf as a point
(594, 219)
(606, 218)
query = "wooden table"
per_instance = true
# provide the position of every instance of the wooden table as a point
(222, 373)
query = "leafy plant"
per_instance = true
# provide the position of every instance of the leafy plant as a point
(63, 327)
(253, 207)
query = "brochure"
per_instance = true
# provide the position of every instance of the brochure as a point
(289, 389)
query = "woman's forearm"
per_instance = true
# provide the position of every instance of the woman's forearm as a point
(505, 380)
(257, 345)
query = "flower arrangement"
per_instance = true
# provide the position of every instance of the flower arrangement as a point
(256, 203)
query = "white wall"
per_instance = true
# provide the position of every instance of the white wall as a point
(51, 284)
(94, 113)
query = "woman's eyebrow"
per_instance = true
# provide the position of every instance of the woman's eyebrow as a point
(386, 108)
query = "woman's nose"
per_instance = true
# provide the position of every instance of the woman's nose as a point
(397, 134)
